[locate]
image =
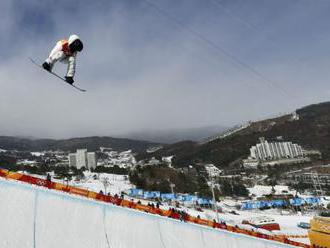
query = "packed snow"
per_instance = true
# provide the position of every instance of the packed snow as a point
(115, 184)
(261, 190)
(37, 217)
(228, 208)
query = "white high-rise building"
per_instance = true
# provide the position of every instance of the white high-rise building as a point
(91, 160)
(264, 151)
(81, 156)
(72, 159)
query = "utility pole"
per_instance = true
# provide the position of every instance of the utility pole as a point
(172, 185)
(106, 183)
(215, 207)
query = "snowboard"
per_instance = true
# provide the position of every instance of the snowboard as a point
(54, 74)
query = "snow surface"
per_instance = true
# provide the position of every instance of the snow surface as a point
(287, 220)
(116, 183)
(38, 154)
(261, 190)
(35, 217)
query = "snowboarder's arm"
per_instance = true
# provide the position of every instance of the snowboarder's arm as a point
(55, 54)
(71, 66)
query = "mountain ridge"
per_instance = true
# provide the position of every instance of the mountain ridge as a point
(308, 126)
(92, 143)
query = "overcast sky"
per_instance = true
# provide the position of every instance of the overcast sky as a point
(161, 64)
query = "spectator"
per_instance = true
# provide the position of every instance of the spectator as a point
(214, 223)
(49, 178)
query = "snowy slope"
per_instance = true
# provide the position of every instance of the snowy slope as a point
(36, 217)
(117, 183)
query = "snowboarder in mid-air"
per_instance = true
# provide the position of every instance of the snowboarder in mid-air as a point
(66, 52)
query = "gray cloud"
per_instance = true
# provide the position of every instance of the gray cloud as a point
(142, 70)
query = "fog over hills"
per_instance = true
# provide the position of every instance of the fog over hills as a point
(169, 136)
(91, 143)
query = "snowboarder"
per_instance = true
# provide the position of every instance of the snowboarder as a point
(66, 52)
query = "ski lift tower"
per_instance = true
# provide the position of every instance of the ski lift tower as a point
(215, 207)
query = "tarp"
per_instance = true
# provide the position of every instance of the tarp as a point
(168, 196)
(203, 201)
(135, 192)
(279, 203)
(190, 198)
(297, 201)
(151, 194)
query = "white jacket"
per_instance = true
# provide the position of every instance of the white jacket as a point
(61, 52)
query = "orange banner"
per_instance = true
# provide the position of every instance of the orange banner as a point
(78, 191)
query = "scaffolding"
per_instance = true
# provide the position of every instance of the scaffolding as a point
(316, 183)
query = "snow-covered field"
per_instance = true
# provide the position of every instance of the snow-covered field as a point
(95, 182)
(116, 183)
(261, 190)
(36, 217)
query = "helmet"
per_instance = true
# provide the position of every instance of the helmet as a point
(76, 46)
(75, 43)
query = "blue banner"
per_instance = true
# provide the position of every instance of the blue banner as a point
(135, 192)
(151, 194)
(168, 196)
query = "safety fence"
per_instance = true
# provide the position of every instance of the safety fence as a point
(185, 198)
(297, 201)
(140, 207)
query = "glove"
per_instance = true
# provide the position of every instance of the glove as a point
(46, 66)
(69, 80)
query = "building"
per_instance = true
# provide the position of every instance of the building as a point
(263, 222)
(274, 153)
(275, 150)
(212, 170)
(168, 160)
(91, 160)
(82, 158)
(72, 159)
(153, 161)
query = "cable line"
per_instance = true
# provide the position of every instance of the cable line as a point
(216, 47)
(250, 26)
